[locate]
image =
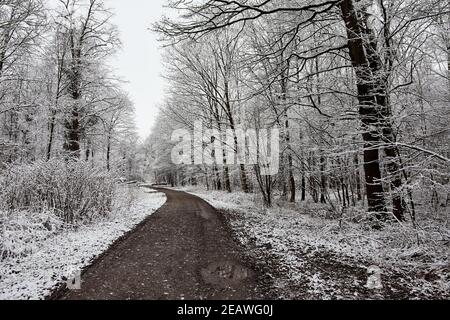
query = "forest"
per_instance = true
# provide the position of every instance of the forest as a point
(67, 140)
(358, 89)
(357, 92)
(61, 103)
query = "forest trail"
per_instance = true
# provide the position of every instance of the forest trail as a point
(182, 251)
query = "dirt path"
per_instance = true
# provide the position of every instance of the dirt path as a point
(182, 251)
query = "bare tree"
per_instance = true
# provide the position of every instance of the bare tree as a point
(355, 37)
(90, 36)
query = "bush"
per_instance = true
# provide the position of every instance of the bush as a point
(72, 189)
(22, 232)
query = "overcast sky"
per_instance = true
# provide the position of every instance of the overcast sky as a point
(139, 62)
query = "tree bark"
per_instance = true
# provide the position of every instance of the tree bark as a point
(358, 177)
(243, 174)
(51, 126)
(226, 178)
(72, 123)
(323, 179)
(108, 153)
(303, 186)
(72, 134)
(372, 99)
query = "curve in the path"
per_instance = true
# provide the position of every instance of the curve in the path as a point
(182, 251)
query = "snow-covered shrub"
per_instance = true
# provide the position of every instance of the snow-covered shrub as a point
(22, 231)
(73, 190)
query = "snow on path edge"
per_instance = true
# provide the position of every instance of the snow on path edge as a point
(37, 275)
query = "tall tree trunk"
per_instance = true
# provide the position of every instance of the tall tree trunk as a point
(72, 134)
(51, 127)
(394, 170)
(371, 97)
(323, 179)
(344, 199)
(265, 185)
(291, 180)
(108, 152)
(52, 120)
(206, 179)
(244, 180)
(303, 182)
(226, 178)
(358, 177)
(226, 170)
(217, 181)
(72, 123)
(303, 186)
(290, 163)
(87, 152)
(243, 173)
(287, 137)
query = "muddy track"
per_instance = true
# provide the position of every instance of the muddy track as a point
(182, 251)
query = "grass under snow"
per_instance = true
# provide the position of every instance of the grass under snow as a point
(312, 257)
(43, 252)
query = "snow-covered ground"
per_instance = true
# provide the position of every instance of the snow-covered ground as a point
(311, 257)
(46, 256)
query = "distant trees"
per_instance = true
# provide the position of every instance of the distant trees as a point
(342, 79)
(22, 21)
(90, 37)
(21, 24)
(58, 97)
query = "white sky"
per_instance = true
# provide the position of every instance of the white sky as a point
(139, 61)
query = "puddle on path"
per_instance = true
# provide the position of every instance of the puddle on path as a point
(225, 274)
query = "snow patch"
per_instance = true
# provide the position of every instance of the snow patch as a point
(44, 260)
(330, 260)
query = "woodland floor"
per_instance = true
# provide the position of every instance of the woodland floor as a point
(189, 250)
(305, 256)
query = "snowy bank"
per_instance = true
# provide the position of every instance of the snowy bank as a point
(310, 257)
(51, 253)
